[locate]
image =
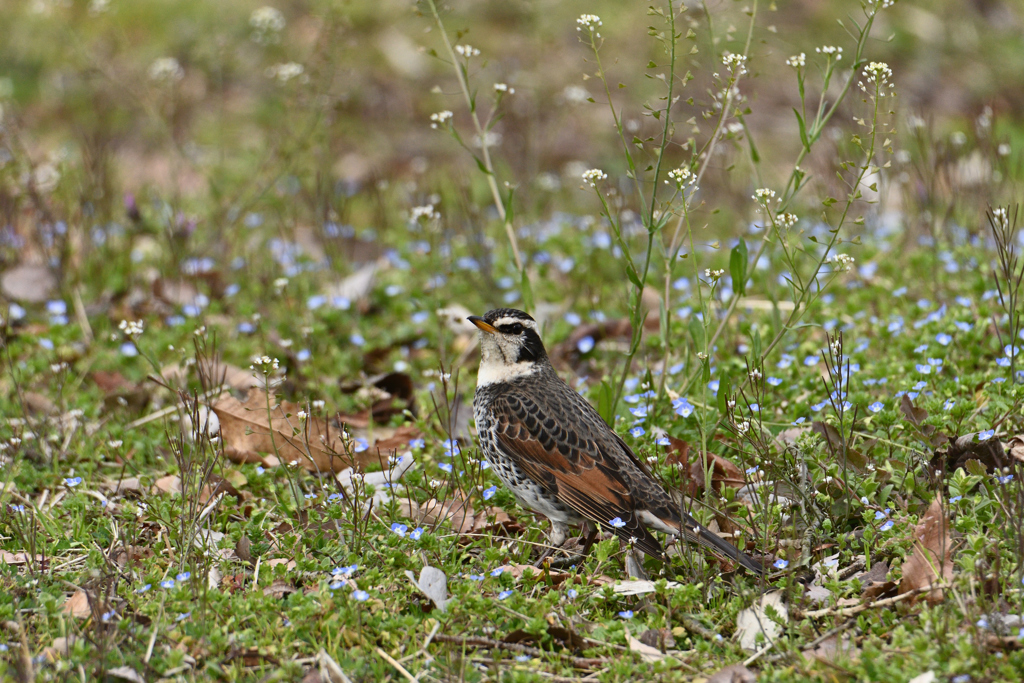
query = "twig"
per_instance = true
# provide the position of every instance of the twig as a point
(401, 669)
(578, 662)
(163, 412)
(857, 609)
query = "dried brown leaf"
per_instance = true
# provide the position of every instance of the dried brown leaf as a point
(735, 673)
(248, 432)
(28, 283)
(169, 484)
(77, 605)
(932, 560)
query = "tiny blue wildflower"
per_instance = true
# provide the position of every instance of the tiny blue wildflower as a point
(445, 467)
(504, 594)
(571, 594)
(183, 616)
(360, 595)
(962, 678)
(522, 658)
(880, 515)
(168, 583)
(948, 405)
(617, 523)
(810, 361)
(476, 577)
(639, 411)
(585, 345)
(943, 339)
(663, 441)
(986, 435)
(416, 533)
(780, 563)
(488, 493)
(1006, 479)
(129, 350)
(637, 432)
(73, 481)
(626, 614)
(955, 499)
(107, 616)
(498, 572)
(888, 525)
(876, 407)
(335, 585)
(818, 406)
(360, 445)
(773, 381)
(142, 589)
(683, 407)
(357, 339)
(399, 529)
(184, 576)
(713, 385)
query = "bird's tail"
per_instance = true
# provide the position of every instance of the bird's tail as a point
(682, 524)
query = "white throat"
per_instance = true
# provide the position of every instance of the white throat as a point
(496, 371)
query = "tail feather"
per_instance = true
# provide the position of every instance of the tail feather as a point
(694, 532)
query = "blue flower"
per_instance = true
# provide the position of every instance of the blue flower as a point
(399, 529)
(986, 435)
(476, 577)
(810, 361)
(818, 406)
(316, 301)
(955, 499)
(639, 411)
(713, 386)
(451, 447)
(571, 594)
(142, 589)
(522, 658)
(923, 369)
(184, 576)
(504, 594)
(335, 585)
(498, 572)
(683, 407)
(168, 583)
(360, 445)
(880, 515)
(962, 678)
(626, 614)
(73, 481)
(943, 339)
(617, 523)
(1006, 479)
(445, 467)
(129, 350)
(585, 345)
(663, 441)
(888, 525)
(780, 563)
(360, 595)
(357, 339)
(416, 533)
(488, 493)
(774, 381)
(183, 616)
(637, 432)
(948, 405)
(876, 407)
(417, 444)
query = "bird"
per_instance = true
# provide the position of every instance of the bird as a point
(559, 458)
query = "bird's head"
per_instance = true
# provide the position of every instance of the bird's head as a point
(508, 339)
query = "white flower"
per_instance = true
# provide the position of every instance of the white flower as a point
(787, 220)
(1004, 150)
(1000, 217)
(797, 61)
(735, 62)
(681, 176)
(763, 195)
(840, 262)
(131, 329)
(714, 275)
(267, 23)
(440, 118)
(302, 415)
(503, 87)
(280, 283)
(589, 22)
(286, 72)
(743, 427)
(425, 212)
(594, 175)
(467, 51)
(878, 73)
(264, 364)
(830, 50)
(755, 374)
(166, 69)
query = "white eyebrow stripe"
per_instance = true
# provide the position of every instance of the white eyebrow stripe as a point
(511, 321)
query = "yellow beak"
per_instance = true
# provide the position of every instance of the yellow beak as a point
(482, 324)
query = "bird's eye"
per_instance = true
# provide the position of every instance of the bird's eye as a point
(517, 329)
(514, 328)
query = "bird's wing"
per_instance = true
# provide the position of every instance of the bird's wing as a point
(574, 458)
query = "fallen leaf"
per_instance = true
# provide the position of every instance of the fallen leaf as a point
(459, 512)
(835, 442)
(169, 484)
(29, 283)
(354, 287)
(833, 648)
(248, 431)
(723, 472)
(37, 404)
(638, 587)
(646, 652)
(433, 583)
(962, 450)
(932, 561)
(126, 673)
(77, 605)
(17, 558)
(660, 638)
(1015, 447)
(754, 621)
(926, 677)
(280, 588)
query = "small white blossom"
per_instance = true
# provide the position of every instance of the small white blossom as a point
(280, 283)
(735, 62)
(440, 118)
(702, 356)
(267, 23)
(787, 220)
(594, 175)
(425, 212)
(1000, 217)
(714, 275)
(743, 427)
(1004, 150)
(589, 22)
(840, 262)
(830, 50)
(503, 87)
(166, 69)
(264, 364)
(131, 329)
(302, 415)
(467, 51)
(681, 176)
(797, 61)
(879, 74)
(763, 195)
(755, 374)
(286, 72)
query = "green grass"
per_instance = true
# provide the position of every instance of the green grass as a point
(231, 213)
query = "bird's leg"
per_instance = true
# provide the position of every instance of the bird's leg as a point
(559, 532)
(590, 529)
